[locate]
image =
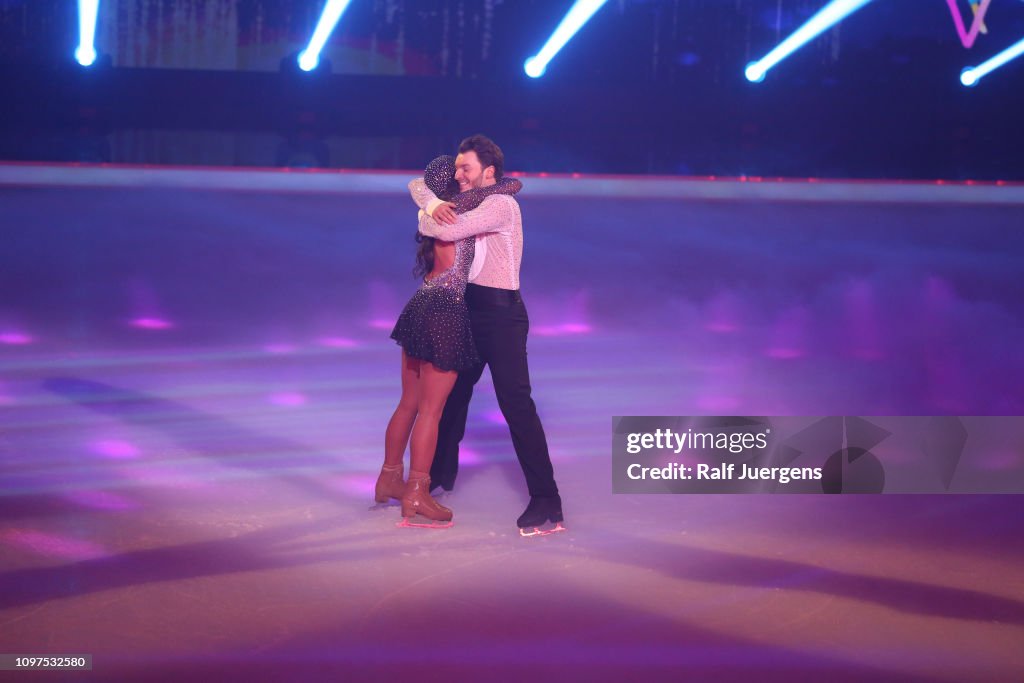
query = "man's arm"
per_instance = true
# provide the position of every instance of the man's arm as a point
(424, 198)
(497, 213)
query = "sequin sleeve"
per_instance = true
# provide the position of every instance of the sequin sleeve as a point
(421, 194)
(469, 200)
(497, 213)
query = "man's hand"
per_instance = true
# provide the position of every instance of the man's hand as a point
(445, 213)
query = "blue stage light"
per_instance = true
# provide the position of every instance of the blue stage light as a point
(88, 10)
(827, 17)
(578, 15)
(972, 74)
(310, 57)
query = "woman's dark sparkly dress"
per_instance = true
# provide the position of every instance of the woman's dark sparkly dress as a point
(434, 325)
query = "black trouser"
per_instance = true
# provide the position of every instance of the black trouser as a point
(500, 325)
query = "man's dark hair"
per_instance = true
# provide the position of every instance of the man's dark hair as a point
(487, 152)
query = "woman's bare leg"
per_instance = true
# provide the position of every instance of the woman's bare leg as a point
(390, 483)
(434, 386)
(396, 438)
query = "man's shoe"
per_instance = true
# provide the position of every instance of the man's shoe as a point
(440, 490)
(540, 511)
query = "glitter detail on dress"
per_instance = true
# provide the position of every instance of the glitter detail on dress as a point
(434, 325)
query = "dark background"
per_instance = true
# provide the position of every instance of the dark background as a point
(648, 86)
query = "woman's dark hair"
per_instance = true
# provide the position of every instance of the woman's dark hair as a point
(440, 178)
(487, 152)
(424, 256)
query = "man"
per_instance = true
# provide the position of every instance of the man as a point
(500, 326)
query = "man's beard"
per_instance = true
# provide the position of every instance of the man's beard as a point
(472, 185)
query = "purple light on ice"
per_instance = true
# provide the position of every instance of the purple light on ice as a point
(52, 545)
(287, 398)
(165, 476)
(577, 313)
(862, 321)
(384, 305)
(355, 484)
(789, 335)
(470, 457)
(15, 338)
(280, 348)
(145, 309)
(337, 342)
(563, 330)
(152, 324)
(784, 353)
(723, 313)
(939, 291)
(116, 449)
(494, 417)
(101, 500)
(948, 387)
(717, 403)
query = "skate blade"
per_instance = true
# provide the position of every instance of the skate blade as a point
(537, 531)
(383, 506)
(416, 525)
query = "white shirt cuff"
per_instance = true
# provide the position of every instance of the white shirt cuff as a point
(433, 204)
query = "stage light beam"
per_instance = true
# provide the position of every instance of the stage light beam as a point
(972, 74)
(310, 57)
(88, 10)
(827, 17)
(578, 15)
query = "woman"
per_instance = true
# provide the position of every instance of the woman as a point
(437, 343)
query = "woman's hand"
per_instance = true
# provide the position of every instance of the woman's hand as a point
(444, 213)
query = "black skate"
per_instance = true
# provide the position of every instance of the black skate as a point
(540, 511)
